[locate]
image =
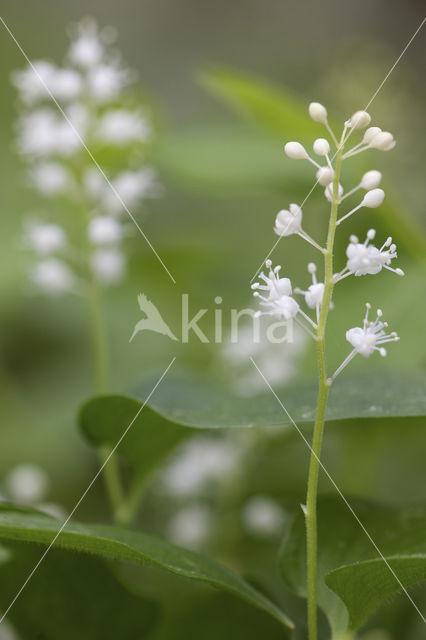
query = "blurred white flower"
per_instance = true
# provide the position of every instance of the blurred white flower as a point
(53, 276)
(109, 265)
(86, 50)
(105, 81)
(44, 239)
(198, 463)
(32, 81)
(105, 230)
(121, 127)
(27, 483)
(50, 178)
(263, 516)
(190, 526)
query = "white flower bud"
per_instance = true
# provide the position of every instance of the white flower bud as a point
(371, 180)
(288, 222)
(321, 147)
(373, 198)
(328, 191)
(370, 133)
(318, 112)
(325, 175)
(359, 120)
(383, 141)
(295, 151)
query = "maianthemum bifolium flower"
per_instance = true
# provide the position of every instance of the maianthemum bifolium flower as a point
(276, 293)
(103, 112)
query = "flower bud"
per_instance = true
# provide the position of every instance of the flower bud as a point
(288, 222)
(329, 191)
(321, 147)
(383, 141)
(325, 175)
(370, 133)
(295, 151)
(318, 113)
(373, 198)
(359, 120)
(371, 180)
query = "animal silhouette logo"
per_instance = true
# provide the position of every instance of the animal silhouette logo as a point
(153, 320)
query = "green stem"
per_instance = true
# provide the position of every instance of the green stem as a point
(111, 470)
(323, 391)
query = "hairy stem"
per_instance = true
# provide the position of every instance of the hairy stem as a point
(323, 390)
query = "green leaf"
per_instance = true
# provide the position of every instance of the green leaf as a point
(138, 548)
(206, 403)
(274, 109)
(342, 542)
(71, 596)
(365, 585)
(150, 438)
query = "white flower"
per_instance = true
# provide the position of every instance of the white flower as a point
(44, 133)
(367, 259)
(53, 276)
(86, 50)
(383, 141)
(370, 180)
(321, 147)
(132, 187)
(44, 239)
(109, 265)
(329, 191)
(318, 112)
(199, 462)
(278, 299)
(191, 526)
(288, 222)
(120, 127)
(368, 338)
(373, 198)
(50, 178)
(32, 81)
(263, 516)
(325, 176)
(105, 82)
(94, 183)
(370, 133)
(296, 151)
(105, 230)
(315, 292)
(359, 120)
(27, 483)
(66, 84)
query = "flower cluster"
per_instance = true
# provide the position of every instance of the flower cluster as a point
(72, 115)
(276, 293)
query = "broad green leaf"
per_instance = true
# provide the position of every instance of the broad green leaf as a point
(275, 109)
(149, 439)
(342, 541)
(363, 586)
(131, 546)
(203, 403)
(71, 596)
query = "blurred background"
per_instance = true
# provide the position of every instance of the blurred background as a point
(225, 177)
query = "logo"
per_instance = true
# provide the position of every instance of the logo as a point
(153, 320)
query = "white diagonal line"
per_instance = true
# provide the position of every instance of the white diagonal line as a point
(373, 97)
(340, 493)
(86, 148)
(85, 492)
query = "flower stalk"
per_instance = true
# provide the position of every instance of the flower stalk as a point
(275, 293)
